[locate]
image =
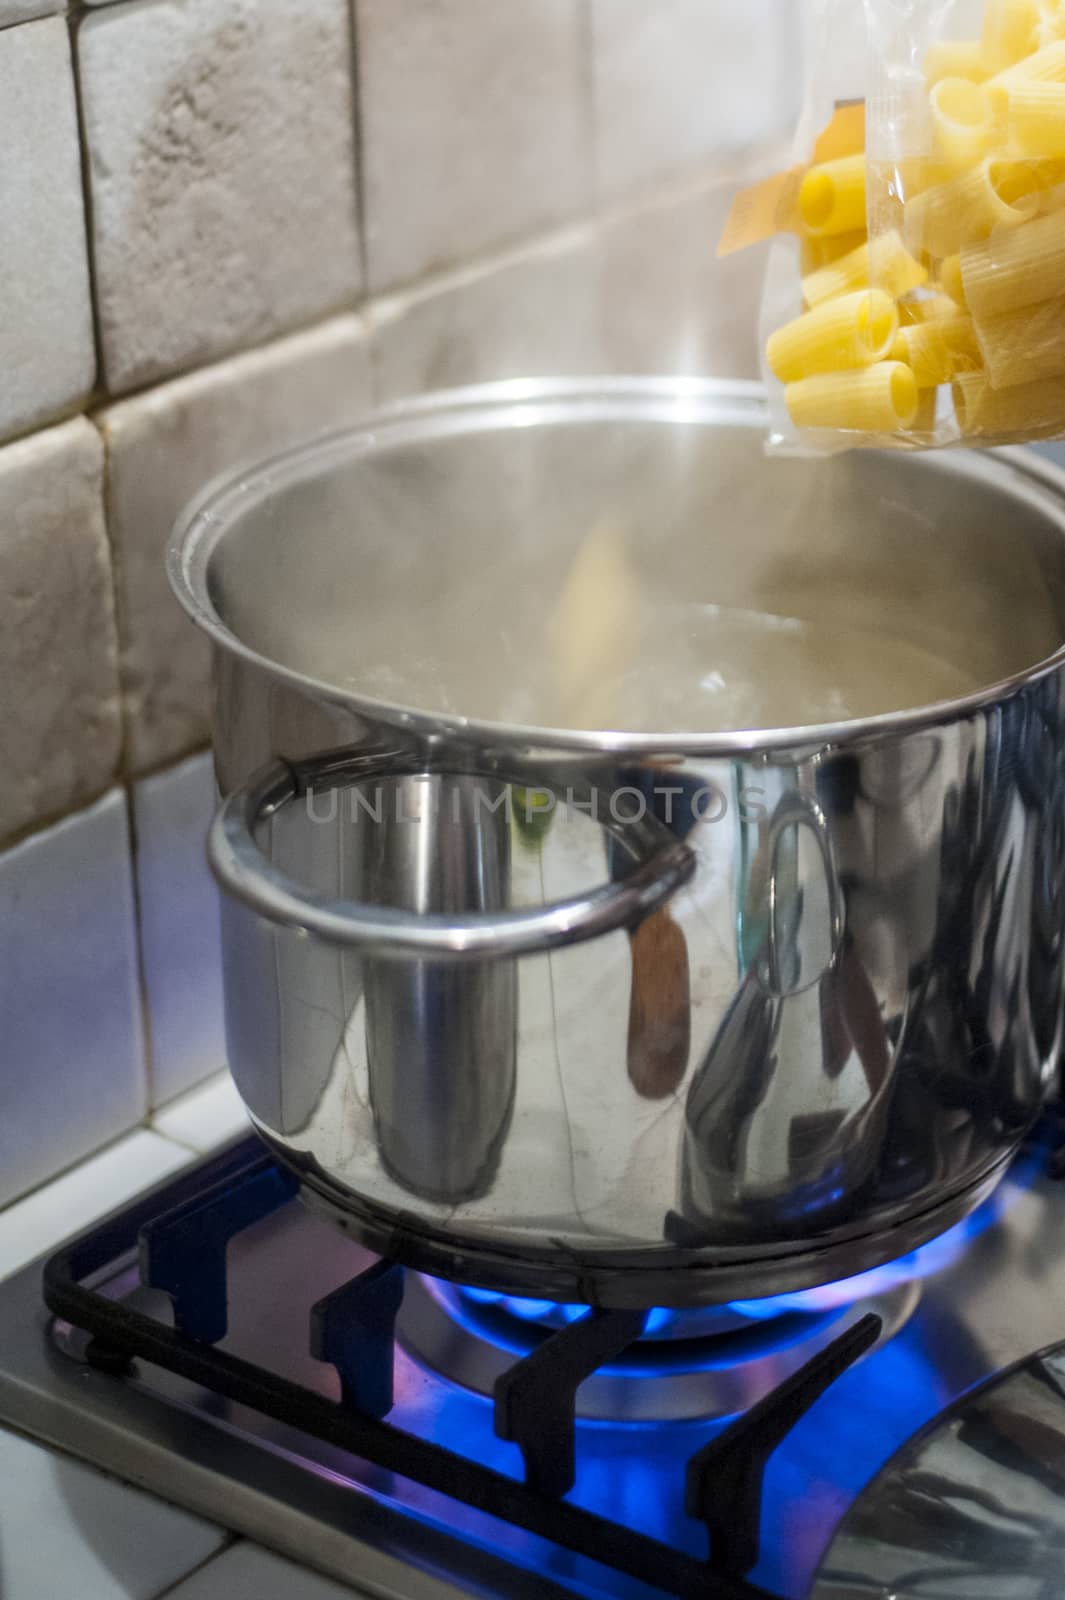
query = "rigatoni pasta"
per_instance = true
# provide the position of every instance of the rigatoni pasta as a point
(940, 220)
(937, 350)
(1015, 269)
(1024, 345)
(832, 197)
(963, 58)
(924, 303)
(969, 120)
(852, 331)
(1010, 31)
(884, 261)
(878, 400)
(1036, 117)
(1029, 411)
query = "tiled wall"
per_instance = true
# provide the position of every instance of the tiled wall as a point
(225, 224)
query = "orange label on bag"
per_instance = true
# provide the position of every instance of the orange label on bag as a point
(845, 134)
(764, 209)
(772, 206)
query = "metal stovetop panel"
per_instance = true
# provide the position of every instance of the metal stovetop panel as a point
(991, 1293)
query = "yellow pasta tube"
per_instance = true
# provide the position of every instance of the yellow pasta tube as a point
(818, 253)
(880, 399)
(1052, 27)
(952, 280)
(832, 196)
(892, 267)
(1031, 175)
(934, 307)
(924, 420)
(1030, 411)
(853, 331)
(1011, 30)
(955, 59)
(1025, 345)
(968, 120)
(936, 351)
(884, 262)
(1046, 66)
(1014, 269)
(1037, 118)
(940, 220)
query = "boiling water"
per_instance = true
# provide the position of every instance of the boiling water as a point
(698, 668)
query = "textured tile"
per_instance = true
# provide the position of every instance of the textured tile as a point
(684, 81)
(473, 126)
(205, 1117)
(667, 304)
(534, 315)
(163, 447)
(46, 339)
(60, 728)
(222, 168)
(181, 957)
(73, 1073)
(88, 1191)
(12, 11)
(66, 1531)
(247, 1572)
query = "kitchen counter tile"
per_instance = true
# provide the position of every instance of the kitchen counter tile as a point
(181, 955)
(162, 448)
(74, 1074)
(205, 1117)
(47, 353)
(72, 1202)
(247, 1572)
(58, 646)
(221, 161)
(68, 1532)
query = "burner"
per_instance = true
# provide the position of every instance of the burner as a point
(708, 1363)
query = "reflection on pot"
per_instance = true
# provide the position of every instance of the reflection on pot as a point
(441, 1038)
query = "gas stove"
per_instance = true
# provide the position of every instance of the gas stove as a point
(901, 1434)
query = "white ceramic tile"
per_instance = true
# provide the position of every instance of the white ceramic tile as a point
(163, 447)
(60, 728)
(72, 1074)
(667, 304)
(247, 1572)
(473, 125)
(12, 11)
(531, 314)
(88, 1191)
(46, 339)
(70, 1533)
(181, 957)
(682, 81)
(205, 1117)
(222, 165)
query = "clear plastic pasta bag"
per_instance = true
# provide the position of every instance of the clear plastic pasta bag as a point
(915, 296)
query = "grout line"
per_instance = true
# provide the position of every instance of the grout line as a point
(656, 195)
(110, 1146)
(147, 1040)
(228, 1543)
(359, 147)
(74, 21)
(104, 400)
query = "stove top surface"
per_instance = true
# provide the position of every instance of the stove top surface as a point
(977, 1305)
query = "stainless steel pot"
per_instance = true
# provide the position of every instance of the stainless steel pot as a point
(428, 997)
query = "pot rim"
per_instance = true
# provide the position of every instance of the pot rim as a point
(524, 402)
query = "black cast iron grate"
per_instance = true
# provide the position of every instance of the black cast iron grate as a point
(181, 1234)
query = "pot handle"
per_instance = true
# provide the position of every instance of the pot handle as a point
(244, 872)
(798, 811)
